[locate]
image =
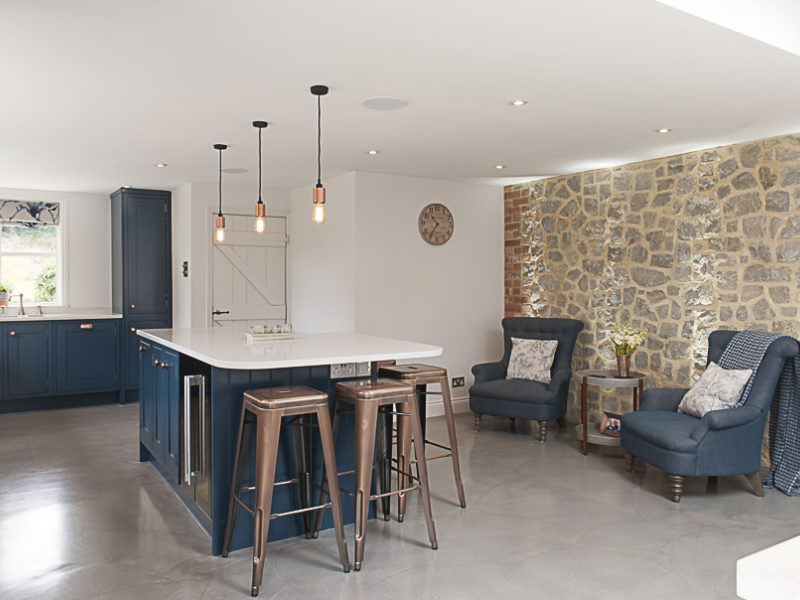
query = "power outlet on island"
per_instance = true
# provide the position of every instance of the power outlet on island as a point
(363, 369)
(458, 382)
(343, 370)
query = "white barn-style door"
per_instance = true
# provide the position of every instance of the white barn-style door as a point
(249, 273)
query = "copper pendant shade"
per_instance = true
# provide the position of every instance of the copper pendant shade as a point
(261, 209)
(318, 215)
(220, 221)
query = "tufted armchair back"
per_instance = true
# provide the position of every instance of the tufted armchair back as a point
(564, 330)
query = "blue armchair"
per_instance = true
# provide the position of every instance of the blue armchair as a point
(493, 394)
(723, 442)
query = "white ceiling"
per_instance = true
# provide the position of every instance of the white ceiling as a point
(94, 92)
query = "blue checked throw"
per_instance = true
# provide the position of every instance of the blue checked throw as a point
(745, 351)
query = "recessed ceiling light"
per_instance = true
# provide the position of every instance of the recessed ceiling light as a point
(384, 103)
(161, 165)
(663, 130)
(373, 152)
(498, 167)
(519, 102)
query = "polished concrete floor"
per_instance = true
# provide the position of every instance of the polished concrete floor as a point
(81, 518)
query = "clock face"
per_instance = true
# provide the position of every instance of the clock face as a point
(436, 224)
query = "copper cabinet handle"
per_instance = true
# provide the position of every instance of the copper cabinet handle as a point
(133, 306)
(12, 333)
(156, 362)
(142, 348)
(86, 326)
(164, 365)
(133, 328)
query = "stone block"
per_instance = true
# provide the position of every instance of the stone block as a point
(742, 204)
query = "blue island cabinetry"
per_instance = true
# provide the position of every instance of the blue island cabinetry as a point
(55, 364)
(192, 383)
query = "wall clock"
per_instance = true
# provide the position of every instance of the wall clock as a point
(436, 224)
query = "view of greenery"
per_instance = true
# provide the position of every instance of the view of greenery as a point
(28, 256)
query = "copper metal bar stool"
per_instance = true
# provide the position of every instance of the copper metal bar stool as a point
(420, 376)
(367, 397)
(264, 408)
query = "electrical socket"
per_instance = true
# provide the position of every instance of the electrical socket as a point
(363, 369)
(458, 382)
(343, 370)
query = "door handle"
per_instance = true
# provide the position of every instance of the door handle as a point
(220, 312)
(190, 475)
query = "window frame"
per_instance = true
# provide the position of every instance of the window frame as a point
(60, 254)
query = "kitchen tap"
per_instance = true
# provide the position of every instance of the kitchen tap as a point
(21, 305)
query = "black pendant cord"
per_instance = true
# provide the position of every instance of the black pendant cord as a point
(219, 213)
(259, 166)
(319, 141)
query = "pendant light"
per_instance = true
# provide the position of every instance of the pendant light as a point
(318, 216)
(220, 216)
(261, 210)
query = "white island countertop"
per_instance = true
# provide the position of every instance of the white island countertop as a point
(227, 348)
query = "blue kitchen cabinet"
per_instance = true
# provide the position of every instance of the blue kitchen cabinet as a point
(159, 430)
(131, 348)
(87, 359)
(27, 360)
(141, 258)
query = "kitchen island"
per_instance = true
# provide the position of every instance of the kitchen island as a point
(191, 386)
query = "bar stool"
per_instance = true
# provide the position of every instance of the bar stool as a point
(420, 376)
(367, 397)
(264, 408)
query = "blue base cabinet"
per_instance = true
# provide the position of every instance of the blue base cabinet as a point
(54, 364)
(159, 409)
(27, 360)
(86, 356)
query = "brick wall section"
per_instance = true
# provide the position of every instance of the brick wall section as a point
(684, 245)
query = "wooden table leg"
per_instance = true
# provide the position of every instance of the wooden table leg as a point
(584, 418)
(640, 389)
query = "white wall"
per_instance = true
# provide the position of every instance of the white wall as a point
(87, 238)
(368, 270)
(322, 260)
(198, 206)
(181, 251)
(449, 295)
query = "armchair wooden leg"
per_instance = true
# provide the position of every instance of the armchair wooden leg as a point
(542, 431)
(711, 486)
(630, 460)
(755, 481)
(476, 421)
(676, 487)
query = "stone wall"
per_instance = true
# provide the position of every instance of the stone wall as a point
(683, 245)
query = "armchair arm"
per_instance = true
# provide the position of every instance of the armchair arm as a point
(725, 418)
(489, 371)
(560, 377)
(662, 398)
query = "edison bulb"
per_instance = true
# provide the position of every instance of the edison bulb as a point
(318, 216)
(220, 234)
(259, 224)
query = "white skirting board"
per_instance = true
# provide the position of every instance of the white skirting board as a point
(434, 407)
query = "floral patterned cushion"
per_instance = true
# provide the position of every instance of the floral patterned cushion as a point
(531, 359)
(716, 389)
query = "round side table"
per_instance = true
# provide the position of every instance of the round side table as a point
(604, 378)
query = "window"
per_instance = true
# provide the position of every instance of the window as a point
(29, 250)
